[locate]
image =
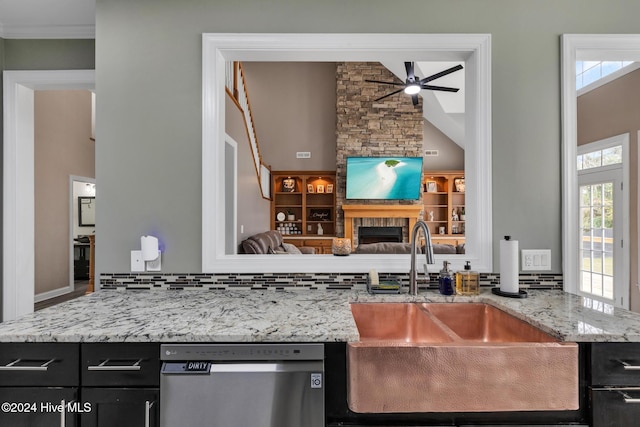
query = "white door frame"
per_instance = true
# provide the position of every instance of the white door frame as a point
(621, 219)
(580, 47)
(18, 278)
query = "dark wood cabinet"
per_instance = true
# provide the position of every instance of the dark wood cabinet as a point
(122, 407)
(39, 406)
(121, 383)
(615, 384)
(39, 384)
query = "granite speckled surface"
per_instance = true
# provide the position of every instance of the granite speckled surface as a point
(286, 316)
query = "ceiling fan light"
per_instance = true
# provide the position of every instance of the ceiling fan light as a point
(412, 89)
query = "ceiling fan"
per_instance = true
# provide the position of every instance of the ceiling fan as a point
(413, 85)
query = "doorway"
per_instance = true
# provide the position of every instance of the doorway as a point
(18, 284)
(603, 220)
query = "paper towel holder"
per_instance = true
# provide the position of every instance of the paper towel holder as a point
(519, 294)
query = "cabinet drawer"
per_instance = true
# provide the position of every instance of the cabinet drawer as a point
(615, 407)
(120, 365)
(39, 364)
(615, 364)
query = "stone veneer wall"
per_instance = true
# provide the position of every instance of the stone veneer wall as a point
(369, 128)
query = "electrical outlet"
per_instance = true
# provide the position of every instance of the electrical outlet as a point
(536, 259)
(303, 154)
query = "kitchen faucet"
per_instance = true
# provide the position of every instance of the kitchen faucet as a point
(428, 251)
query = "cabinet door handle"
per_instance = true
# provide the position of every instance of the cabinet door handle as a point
(104, 367)
(629, 399)
(63, 413)
(627, 367)
(147, 413)
(13, 366)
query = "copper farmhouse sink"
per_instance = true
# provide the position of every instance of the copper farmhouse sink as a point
(456, 357)
(397, 322)
(483, 322)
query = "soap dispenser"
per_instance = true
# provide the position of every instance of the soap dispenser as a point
(445, 280)
(467, 281)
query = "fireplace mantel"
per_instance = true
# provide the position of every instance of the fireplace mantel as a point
(411, 212)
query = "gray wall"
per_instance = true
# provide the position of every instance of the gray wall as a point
(148, 64)
(49, 54)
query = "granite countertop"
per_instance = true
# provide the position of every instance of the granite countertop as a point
(286, 316)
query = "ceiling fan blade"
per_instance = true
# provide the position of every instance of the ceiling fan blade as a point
(441, 74)
(442, 88)
(414, 98)
(408, 66)
(390, 94)
(385, 83)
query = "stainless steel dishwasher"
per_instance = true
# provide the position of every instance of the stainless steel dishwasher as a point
(242, 385)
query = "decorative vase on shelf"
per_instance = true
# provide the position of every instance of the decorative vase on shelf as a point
(320, 230)
(291, 217)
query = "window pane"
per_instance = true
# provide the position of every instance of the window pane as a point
(593, 159)
(612, 155)
(609, 67)
(586, 218)
(607, 195)
(579, 163)
(585, 195)
(592, 74)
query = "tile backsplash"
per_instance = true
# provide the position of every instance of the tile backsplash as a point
(293, 281)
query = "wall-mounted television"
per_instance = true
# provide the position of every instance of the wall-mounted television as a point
(384, 178)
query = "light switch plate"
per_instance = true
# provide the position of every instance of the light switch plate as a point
(536, 259)
(137, 264)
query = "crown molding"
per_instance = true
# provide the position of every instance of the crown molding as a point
(47, 31)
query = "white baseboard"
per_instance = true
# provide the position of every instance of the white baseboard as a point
(51, 294)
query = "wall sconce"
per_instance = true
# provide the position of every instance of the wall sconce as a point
(149, 257)
(341, 246)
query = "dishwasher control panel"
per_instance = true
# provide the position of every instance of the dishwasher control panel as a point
(234, 352)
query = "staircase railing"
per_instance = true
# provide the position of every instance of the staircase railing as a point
(237, 88)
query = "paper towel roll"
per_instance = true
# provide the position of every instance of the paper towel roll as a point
(509, 272)
(149, 247)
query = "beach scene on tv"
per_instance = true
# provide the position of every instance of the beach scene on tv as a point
(386, 178)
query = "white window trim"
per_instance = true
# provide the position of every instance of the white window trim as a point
(582, 47)
(475, 49)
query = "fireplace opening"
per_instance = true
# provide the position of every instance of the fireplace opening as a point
(379, 234)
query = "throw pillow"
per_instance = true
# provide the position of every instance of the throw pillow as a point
(291, 249)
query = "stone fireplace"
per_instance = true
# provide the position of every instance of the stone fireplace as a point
(404, 216)
(369, 128)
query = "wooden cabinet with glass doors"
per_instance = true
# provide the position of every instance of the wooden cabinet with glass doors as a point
(444, 206)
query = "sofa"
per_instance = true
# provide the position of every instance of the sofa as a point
(405, 248)
(271, 242)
